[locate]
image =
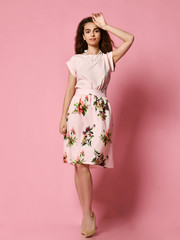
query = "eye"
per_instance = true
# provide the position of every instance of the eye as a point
(97, 30)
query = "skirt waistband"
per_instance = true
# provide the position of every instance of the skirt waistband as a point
(97, 92)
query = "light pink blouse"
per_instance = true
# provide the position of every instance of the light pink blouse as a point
(92, 71)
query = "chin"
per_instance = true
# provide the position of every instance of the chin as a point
(96, 43)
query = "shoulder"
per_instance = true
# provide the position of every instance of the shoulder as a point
(72, 59)
(107, 54)
(109, 59)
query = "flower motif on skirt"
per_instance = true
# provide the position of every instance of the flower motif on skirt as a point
(106, 137)
(65, 157)
(81, 106)
(80, 158)
(67, 116)
(99, 158)
(88, 135)
(101, 105)
(71, 137)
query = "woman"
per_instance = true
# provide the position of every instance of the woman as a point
(86, 120)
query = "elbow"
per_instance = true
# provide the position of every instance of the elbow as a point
(132, 38)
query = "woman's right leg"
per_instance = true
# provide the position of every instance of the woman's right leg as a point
(78, 187)
(84, 185)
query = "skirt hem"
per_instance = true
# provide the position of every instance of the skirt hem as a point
(90, 165)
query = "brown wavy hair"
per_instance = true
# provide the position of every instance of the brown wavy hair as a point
(106, 44)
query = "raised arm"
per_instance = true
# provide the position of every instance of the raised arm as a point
(128, 38)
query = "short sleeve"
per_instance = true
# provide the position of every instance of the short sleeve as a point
(111, 62)
(71, 65)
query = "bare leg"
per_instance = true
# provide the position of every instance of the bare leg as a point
(78, 187)
(84, 185)
(85, 188)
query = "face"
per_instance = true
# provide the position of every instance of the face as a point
(92, 34)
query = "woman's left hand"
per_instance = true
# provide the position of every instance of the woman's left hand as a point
(99, 20)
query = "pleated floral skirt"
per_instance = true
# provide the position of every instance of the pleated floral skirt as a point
(88, 139)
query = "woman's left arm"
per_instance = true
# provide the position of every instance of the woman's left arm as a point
(128, 39)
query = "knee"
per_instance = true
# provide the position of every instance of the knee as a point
(80, 168)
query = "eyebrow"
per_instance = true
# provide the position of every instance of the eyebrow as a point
(90, 29)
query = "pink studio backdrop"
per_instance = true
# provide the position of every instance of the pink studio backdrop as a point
(139, 198)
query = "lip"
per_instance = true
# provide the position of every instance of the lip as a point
(92, 39)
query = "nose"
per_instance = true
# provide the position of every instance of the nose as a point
(92, 34)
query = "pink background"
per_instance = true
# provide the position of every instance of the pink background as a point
(138, 199)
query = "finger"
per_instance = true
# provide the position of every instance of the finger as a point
(64, 131)
(94, 20)
(94, 16)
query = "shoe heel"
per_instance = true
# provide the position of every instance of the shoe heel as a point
(82, 230)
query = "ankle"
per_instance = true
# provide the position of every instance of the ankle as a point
(88, 214)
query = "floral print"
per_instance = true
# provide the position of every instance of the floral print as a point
(101, 105)
(65, 157)
(99, 158)
(81, 106)
(71, 137)
(67, 116)
(89, 131)
(88, 135)
(80, 158)
(106, 137)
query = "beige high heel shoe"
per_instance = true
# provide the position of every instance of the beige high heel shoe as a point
(83, 231)
(91, 232)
